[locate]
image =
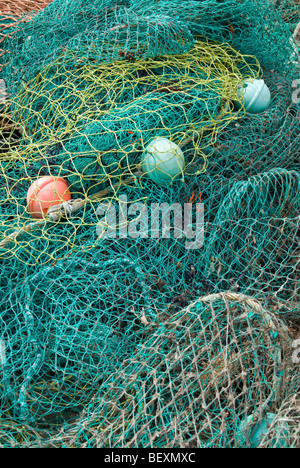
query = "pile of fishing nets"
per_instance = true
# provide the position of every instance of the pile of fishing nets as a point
(204, 377)
(117, 327)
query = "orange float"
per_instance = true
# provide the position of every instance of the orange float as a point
(46, 192)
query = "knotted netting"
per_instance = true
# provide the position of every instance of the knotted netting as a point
(290, 13)
(103, 339)
(114, 120)
(51, 359)
(193, 381)
(267, 241)
(284, 430)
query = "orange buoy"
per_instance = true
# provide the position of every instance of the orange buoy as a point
(46, 192)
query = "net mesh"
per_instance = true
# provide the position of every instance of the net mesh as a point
(103, 339)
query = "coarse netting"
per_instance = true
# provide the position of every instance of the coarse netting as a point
(290, 12)
(52, 359)
(192, 381)
(285, 429)
(115, 117)
(103, 338)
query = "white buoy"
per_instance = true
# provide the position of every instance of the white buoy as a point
(256, 96)
(163, 161)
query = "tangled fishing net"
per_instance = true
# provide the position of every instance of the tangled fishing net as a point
(213, 355)
(42, 341)
(104, 341)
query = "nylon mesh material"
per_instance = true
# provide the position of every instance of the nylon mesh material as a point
(135, 340)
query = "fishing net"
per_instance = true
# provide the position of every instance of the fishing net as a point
(20, 7)
(115, 118)
(290, 12)
(103, 338)
(259, 218)
(223, 353)
(51, 360)
(284, 429)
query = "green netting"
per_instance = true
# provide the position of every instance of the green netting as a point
(192, 381)
(258, 218)
(94, 135)
(290, 12)
(104, 341)
(285, 427)
(53, 362)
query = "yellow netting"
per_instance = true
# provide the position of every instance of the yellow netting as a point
(90, 123)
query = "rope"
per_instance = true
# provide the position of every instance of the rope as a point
(65, 209)
(274, 332)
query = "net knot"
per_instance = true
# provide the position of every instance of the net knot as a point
(65, 209)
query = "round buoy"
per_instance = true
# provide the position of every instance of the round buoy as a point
(46, 192)
(256, 96)
(163, 161)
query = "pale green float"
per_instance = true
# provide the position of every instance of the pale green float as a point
(163, 161)
(256, 96)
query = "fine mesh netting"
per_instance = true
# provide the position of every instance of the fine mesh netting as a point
(116, 331)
